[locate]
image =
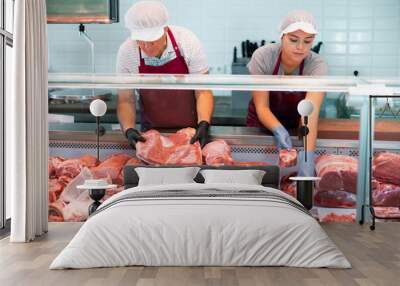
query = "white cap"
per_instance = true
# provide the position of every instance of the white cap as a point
(298, 20)
(146, 20)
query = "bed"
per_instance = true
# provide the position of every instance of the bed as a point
(201, 224)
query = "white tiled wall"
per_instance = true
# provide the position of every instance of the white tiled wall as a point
(361, 35)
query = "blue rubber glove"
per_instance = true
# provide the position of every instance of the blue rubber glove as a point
(306, 169)
(282, 138)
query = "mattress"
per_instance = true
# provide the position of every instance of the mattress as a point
(201, 225)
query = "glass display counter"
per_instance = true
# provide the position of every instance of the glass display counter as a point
(348, 138)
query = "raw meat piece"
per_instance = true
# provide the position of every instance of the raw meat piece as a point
(55, 189)
(385, 195)
(65, 179)
(337, 172)
(334, 217)
(287, 158)
(386, 167)
(169, 150)
(53, 164)
(134, 162)
(185, 155)
(88, 161)
(288, 186)
(183, 136)
(69, 168)
(335, 199)
(217, 153)
(111, 167)
(72, 167)
(387, 212)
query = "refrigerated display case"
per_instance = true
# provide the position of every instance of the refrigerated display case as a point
(344, 138)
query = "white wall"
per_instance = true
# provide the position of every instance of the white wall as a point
(359, 35)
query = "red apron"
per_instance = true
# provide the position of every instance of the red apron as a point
(283, 104)
(167, 108)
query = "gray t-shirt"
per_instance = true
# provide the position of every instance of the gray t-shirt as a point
(264, 58)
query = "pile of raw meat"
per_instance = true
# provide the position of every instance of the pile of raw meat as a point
(386, 182)
(176, 149)
(338, 185)
(68, 203)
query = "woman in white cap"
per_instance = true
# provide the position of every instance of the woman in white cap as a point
(156, 48)
(276, 111)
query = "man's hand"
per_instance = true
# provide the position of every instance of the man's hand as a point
(201, 134)
(133, 137)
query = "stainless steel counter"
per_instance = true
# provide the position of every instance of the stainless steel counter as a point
(85, 132)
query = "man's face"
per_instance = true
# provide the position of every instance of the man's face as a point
(297, 44)
(154, 48)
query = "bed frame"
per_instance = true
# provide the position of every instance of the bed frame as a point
(270, 179)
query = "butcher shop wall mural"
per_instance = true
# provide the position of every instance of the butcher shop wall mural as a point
(334, 195)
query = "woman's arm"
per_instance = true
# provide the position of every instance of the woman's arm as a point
(264, 113)
(316, 98)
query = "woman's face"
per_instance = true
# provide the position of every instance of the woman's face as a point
(296, 45)
(154, 48)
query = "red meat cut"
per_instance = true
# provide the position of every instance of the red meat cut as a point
(111, 168)
(335, 199)
(218, 153)
(72, 167)
(288, 186)
(53, 164)
(287, 158)
(88, 161)
(169, 150)
(69, 168)
(385, 195)
(55, 189)
(133, 162)
(337, 172)
(387, 212)
(386, 167)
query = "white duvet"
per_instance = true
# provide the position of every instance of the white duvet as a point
(203, 231)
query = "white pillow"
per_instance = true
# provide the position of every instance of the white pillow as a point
(248, 177)
(164, 176)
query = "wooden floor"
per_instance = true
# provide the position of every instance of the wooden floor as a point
(375, 257)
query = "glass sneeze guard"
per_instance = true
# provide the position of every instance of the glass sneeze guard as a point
(218, 82)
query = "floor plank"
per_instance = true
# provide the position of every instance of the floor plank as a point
(375, 257)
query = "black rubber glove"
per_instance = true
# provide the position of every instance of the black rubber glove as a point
(133, 136)
(201, 134)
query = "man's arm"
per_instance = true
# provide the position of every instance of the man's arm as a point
(126, 109)
(316, 98)
(204, 105)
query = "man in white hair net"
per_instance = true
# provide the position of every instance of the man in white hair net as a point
(154, 47)
(276, 111)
